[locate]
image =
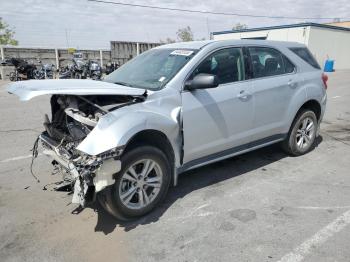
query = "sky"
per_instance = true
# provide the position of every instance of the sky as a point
(83, 24)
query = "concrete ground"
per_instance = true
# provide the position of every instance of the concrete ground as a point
(261, 206)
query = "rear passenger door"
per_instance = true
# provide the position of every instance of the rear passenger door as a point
(274, 82)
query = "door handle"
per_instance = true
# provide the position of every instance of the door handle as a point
(244, 96)
(292, 84)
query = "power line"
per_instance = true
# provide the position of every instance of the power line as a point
(215, 13)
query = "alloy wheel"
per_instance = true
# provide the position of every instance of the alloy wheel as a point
(305, 133)
(140, 184)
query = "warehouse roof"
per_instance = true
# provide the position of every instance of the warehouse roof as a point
(283, 26)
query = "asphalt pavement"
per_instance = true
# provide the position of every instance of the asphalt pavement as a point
(260, 206)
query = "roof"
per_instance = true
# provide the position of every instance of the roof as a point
(188, 45)
(282, 27)
(217, 43)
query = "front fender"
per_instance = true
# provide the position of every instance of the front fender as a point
(112, 131)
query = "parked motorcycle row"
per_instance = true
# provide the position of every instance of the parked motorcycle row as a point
(78, 69)
(25, 70)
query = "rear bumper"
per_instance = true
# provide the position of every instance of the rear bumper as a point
(323, 106)
(323, 110)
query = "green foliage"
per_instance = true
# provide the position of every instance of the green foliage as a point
(185, 34)
(6, 34)
(239, 26)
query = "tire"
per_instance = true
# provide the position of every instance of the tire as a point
(12, 76)
(302, 134)
(151, 188)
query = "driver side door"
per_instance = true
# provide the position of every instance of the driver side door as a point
(218, 121)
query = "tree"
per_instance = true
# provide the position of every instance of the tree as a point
(6, 34)
(185, 34)
(239, 26)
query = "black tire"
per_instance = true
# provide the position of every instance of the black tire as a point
(110, 198)
(12, 76)
(290, 144)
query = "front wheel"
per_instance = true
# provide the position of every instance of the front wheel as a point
(302, 134)
(141, 184)
(13, 77)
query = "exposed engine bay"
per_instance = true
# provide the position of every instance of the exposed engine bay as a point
(73, 118)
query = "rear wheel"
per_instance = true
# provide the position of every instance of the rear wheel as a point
(141, 184)
(302, 134)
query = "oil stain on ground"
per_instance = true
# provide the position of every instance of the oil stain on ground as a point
(243, 215)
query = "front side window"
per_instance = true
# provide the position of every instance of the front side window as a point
(227, 64)
(267, 62)
(152, 69)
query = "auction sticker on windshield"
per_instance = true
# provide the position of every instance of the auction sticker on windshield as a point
(182, 52)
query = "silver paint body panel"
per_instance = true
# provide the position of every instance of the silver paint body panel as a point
(202, 123)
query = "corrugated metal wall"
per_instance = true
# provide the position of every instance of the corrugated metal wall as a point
(121, 52)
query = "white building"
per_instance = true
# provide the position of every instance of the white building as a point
(324, 41)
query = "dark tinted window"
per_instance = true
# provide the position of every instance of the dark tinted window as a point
(266, 62)
(289, 67)
(305, 54)
(226, 64)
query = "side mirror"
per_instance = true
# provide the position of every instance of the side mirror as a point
(202, 81)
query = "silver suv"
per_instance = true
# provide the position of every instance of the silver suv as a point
(176, 107)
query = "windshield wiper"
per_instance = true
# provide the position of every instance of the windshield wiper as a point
(123, 84)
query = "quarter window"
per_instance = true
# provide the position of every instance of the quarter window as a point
(305, 54)
(269, 62)
(227, 64)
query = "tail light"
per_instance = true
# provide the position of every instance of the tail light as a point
(324, 79)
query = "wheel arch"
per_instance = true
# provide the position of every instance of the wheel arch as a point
(314, 106)
(311, 104)
(158, 139)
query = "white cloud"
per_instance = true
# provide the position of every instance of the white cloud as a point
(93, 25)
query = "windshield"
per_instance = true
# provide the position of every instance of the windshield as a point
(152, 69)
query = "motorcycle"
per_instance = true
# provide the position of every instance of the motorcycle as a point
(81, 69)
(44, 72)
(94, 70)
(110, 67)
(75, 70)
(23, 70)
(66, 72)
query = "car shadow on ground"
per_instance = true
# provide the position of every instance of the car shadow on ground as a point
(197, 179)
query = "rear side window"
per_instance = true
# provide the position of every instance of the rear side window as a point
(305, 54)
(268, 62)
(227, 64)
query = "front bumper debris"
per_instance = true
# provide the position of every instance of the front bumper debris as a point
(87, 174)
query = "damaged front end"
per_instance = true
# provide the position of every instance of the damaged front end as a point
(73, 118)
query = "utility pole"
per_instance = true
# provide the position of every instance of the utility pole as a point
(208, 29)
(2, 52)
(101, 58)
(66, 37)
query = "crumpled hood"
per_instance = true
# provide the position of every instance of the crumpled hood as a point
(26, 90)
